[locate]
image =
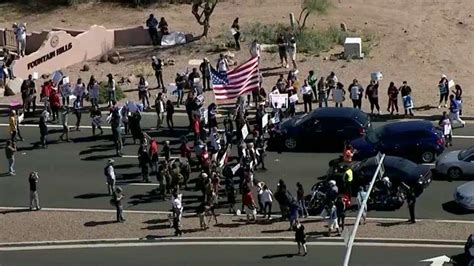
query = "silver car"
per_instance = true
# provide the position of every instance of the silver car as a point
(464, 195)
(456, 164)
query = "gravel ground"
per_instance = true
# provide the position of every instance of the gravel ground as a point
(23, 226)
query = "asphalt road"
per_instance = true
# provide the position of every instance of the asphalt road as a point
(71, 174)
(249, 255)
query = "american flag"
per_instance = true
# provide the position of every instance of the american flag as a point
(233, 83)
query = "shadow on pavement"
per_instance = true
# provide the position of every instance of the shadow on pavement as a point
(156, 221)
(274, 231)
(91, 196)
(390, 224)
(276, 256)
(125, 166)
(98, 157)
(157, 227)
(231, 225)
(14, 211)
(454, 208)
(94, 223)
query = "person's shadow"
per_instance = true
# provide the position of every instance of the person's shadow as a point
(275, 256)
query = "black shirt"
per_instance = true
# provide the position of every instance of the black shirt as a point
(33, 183)
(405, 90)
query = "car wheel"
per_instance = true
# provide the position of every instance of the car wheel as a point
(290, 143)
(454, 173)
(428, 157)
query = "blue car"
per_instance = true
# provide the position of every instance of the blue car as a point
(417, 140)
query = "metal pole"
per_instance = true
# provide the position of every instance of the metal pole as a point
(350, 243)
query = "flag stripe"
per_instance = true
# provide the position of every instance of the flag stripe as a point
(235, 82)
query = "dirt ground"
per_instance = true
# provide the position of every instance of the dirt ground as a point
(417, 41)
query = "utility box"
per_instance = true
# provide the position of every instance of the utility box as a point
(353, 48)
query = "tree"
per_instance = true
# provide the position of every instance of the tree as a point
(309, 7)
(202, 11)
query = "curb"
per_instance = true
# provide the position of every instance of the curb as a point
(228, 239)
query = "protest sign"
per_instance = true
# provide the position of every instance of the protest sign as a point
(279, 101)
(245, 132)
(264, 120)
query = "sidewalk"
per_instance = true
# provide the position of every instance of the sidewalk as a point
(24, 226)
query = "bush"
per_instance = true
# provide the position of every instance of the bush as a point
(103, 92)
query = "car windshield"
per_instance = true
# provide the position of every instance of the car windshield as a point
(465, 153)
(374, 134)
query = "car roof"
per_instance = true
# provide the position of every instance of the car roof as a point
(407, 126)
(391, 161)
(344, 112)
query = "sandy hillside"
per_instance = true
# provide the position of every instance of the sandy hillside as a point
(416, 40)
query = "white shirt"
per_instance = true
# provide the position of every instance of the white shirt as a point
(110, 170)
(255, 50)
(222, 65)
(132, 107)
(267, 195)
(176, 202)
(355, 92)
(306, 89)
(111, 88)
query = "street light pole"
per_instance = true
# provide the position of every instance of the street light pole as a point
(378, 172)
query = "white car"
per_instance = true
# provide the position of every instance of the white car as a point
(456, 164)
(464, 195)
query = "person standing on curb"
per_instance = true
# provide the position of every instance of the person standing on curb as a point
(10, 150)
(300, 238)
(117, 201)
(34, 197)
(372, 93)
(12, 123)
(360, 199)
(109, 173)
(405, 92)
(356, 91)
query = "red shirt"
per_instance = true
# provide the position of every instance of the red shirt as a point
(247, 199)
(55, 101)
(153, 148)
(205, 158)
(196, 126)
(46, 90)
(185, 150)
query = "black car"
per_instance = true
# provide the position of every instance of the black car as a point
(322, 128)
(397, 169)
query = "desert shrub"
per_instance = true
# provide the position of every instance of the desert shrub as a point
(103, 93)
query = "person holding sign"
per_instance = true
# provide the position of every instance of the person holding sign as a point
(443, 91)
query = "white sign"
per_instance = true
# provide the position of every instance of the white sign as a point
(451, 84)
(438, 261)
(245, 132)
(264, 120)
(294, 98)
(35, 75)
(65, 80)
(279, 101)
(235, 168)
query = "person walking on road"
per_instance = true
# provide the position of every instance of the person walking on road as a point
(300, 238)
(360, 199)
(445, 124)
(341, 212)
(177, 205)
(43, 128)
(301, 202)
(64, 121)
(115, 122)
(34, 197)
(454, 108)
(109, 173)
(411, 201)
(267, 199)
(12, 121)
(117, 198)
(169, 115)
(144, 161)
(10, 150)
(332, 220)
(160, 110)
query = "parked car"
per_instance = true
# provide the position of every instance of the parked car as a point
(464, 195)
(456, 164)
(417, 140)
(322, 128)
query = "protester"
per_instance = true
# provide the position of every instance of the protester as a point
(392, 93)
(77, 111)
(458, 96)
(143, 93)
(157, 66)
(292, 51)
(177, 206)
(28, 94)
(34, 196)
(255, 49)
(235, 30)
(411, 201)
(109, 173)
(80, 91)
(282, 50)
(20, 34)
(332, 219)
(152, 23)
(356, 92)
(160, 110)
(110, 90)
(230, 192)
(115, 121)
(331, 83)
(117, 198)
(405, 91)
(454, 108)
(93, 89)
(249, 204)
(12, 123)
(169, 115)
(322, 93)
(301, 201)
(222, 63)
(55, 104)
(143, 162)
(307, 93)
(341, 212)
(180, 85)
(43, 128)
(372, 92)
(64, 121)
(338, 95)
(163, 26)
(300, 238)
(443, 86)
(153, 155)
(96, 116)
(206, 74)
(282, 199)
(10, 150)
(361, 195)
(65, 90)
(45, 94)
(445, 124)
(267, 199)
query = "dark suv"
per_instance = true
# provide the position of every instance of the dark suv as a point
(322, 129)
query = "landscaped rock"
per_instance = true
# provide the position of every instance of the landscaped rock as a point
(114, 60)
(85, 67)
(104, 58)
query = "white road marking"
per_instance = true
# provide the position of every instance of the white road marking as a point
(52, 126)
(136, 156)
(226, 214)
(138, 184)
(219, 243)
(462, 137)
